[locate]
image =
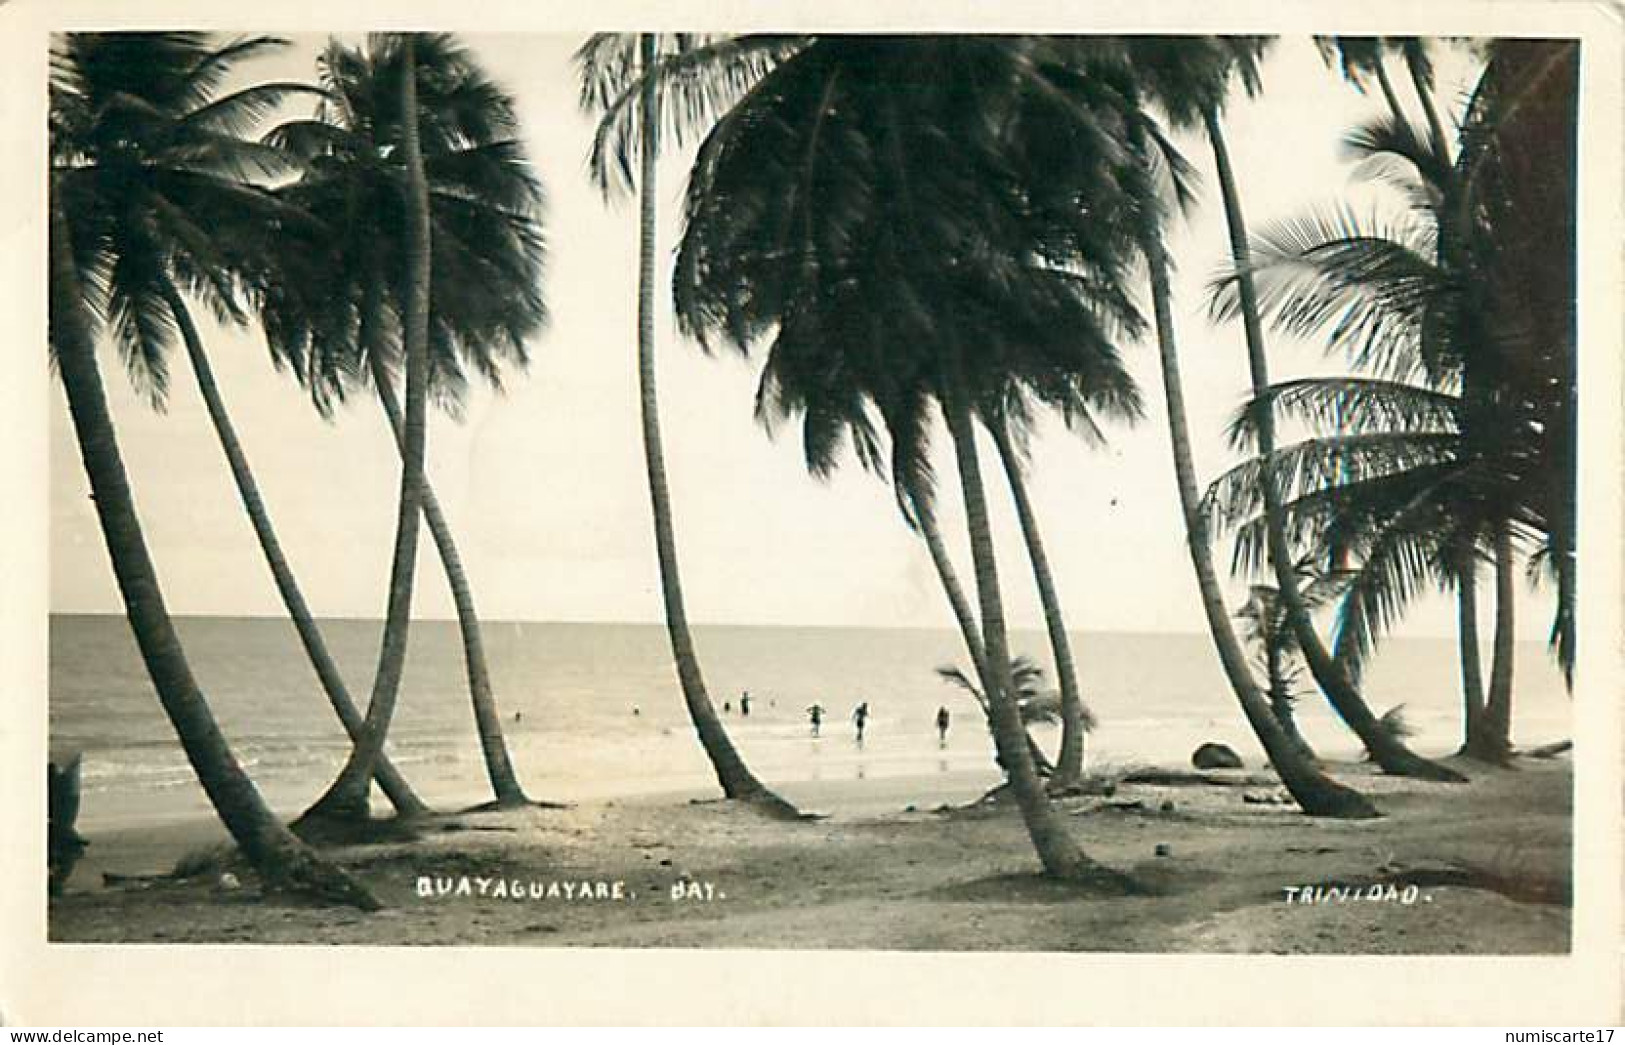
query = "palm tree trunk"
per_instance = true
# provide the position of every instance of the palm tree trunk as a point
(1429, 109)
(1388, 93)
(280, 858)
(1315, 792)
(1564, 628)
(1069, 763)
(737, 781)
(1472, 669)
(1059, 854)
(963, 614)
(1281, 703)
(966, 618)
(1494, 740)
(346, 797)
(1560, 542)
(401, 795)
(1388, 750)
(499, 769)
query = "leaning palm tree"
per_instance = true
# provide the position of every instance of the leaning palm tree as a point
(1418, 479)
(902, 249)
(1410, 488)
(627, 92)
(333, 304)
(1427, 174)
(200, 237)
(1314, 791)
(109, 92)
(1194, 92)
(1005, 421)
(699, 76)
(346, 798)
(1006, 417)
(833, 413)
(1140, 65)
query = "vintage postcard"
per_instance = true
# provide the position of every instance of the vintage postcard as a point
(812, 513)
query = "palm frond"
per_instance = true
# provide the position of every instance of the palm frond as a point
(1351, 405)
(1397, 564)
(695, 79)
(1367, 286)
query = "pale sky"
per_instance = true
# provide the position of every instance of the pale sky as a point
(545, 486)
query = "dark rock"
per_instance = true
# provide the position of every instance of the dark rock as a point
(1167, 807)
(1215, 756)
(1164, 849)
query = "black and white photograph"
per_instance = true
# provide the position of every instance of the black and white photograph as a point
(917, 489)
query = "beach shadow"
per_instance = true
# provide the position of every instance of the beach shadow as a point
(1521, 887)
(1033, 889)
(327, 832)
(499, 806)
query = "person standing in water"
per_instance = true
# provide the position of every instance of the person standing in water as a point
(942, 727)
(860, 718)
(815, 715)
(744, 703)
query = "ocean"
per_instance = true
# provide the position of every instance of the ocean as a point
(593, 710)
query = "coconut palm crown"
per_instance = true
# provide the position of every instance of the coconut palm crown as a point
(331, 302)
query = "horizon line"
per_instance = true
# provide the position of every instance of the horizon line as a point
(1037, 626)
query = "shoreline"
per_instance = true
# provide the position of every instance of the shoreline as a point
(1489, 863)
(151, 847)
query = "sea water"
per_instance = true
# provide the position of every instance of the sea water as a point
(594, 711)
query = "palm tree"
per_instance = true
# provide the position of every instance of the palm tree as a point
(1403, 481)
(1074, 714)
(1006, 418)
(1035, 702)
(1263, 618)
(1315, 792)
(628, 94)
(347, 797)
(832, 413)
(899, 248)
(333, 307)
(704, 74)
(199, 235)
(1143, 65)
(1465, 571)
(1201, 95)
(1357, 57)
(1519, 139)
(390, 781)
(108, 93)
(1430, 475)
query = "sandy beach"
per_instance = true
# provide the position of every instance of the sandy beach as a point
(1477, 869)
